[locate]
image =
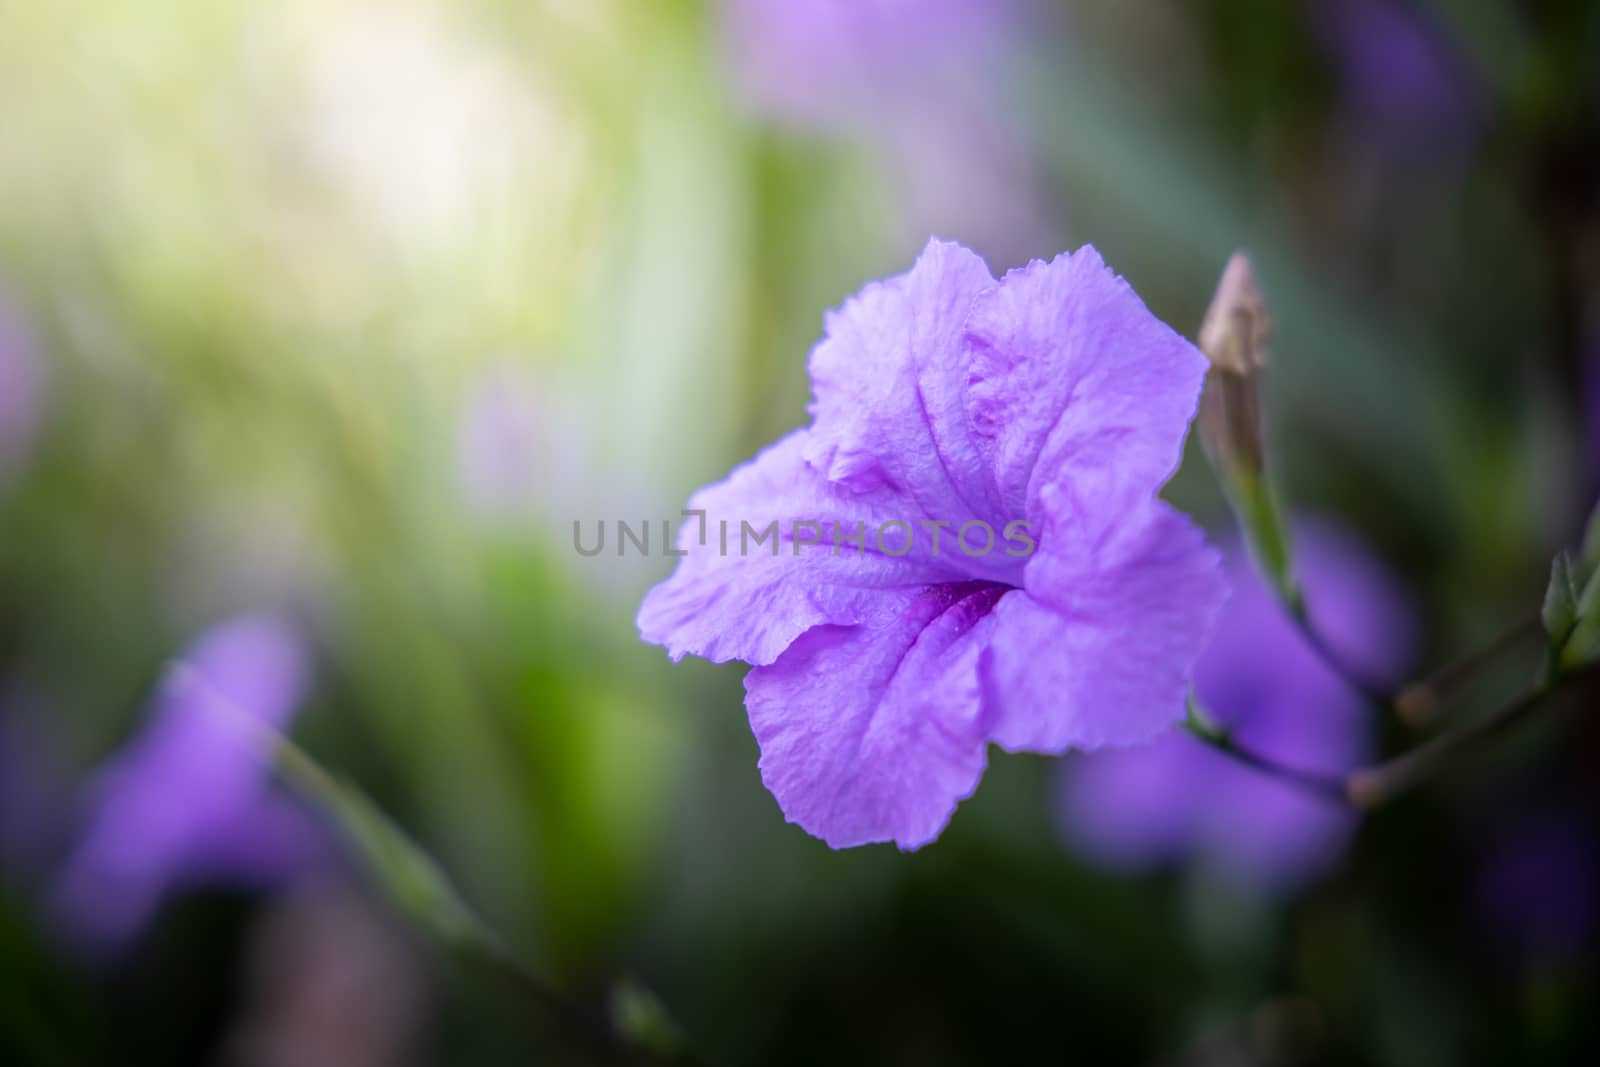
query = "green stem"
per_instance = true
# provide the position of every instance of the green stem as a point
(1370, 690)
(1372, 787)
(1418, 702)
(1219, 737)
(420, 889)
(1261, 517)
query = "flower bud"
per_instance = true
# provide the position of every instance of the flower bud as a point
(1234, 337)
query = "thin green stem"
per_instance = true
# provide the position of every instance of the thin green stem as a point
(1369, 689)
(1418, 702)
(1220, 738)
(425, 895)
(1372, 787)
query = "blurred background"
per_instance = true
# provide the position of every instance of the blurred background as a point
(321, 324)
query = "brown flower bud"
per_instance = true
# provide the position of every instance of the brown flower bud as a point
(1237, 327)
(1234, 337)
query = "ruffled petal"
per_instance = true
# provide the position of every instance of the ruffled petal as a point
(1099, 649)
(889, 380)
(1133, 807)
(739, 599)
(1075, 383)
(870, 733)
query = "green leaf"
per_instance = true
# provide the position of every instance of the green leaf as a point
(1560, 611)
(420, 889)
(1571, 611)
(410, 877)
(1582, 644)
(1589, 599)
(1589, 553)
(408, 874)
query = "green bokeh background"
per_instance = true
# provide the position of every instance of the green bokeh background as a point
(268, 252)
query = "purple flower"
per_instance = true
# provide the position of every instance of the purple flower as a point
(499, 442)
(1177, 798)
(832, 62)
(922, 81)
(1398, 76)
(21, 387)
(1050, 405)
(187, 801)
(1539, 889)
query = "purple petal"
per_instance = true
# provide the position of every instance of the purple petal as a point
(1054, 398)
(724, 605)
(889, 380)
(1264, 833)
(859, 62)
(869, 733)
(1101, 652)
(1258, 675)
(499, 442)
(922, 84)
(1257, 660)
(274, 835)
(1130, 809)
(1074, 382)
(189, 782)
(1398, 73)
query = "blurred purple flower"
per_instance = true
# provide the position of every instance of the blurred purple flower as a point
(925, 81)
(498, 447)
(1175, 799)
(1539, 889)
(828, 61)
(1400, 80)
(1052, 398)
(525, 451)
(188, 800)
(21, 387)
(32, 780)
